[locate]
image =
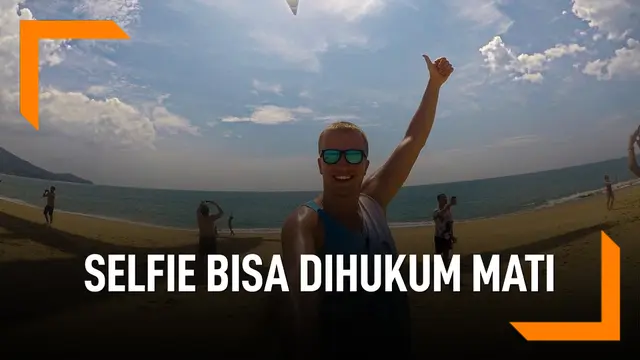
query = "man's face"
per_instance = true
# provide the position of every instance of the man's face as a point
(343, 177)
(442, 200)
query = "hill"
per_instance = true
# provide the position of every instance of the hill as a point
(10, 164)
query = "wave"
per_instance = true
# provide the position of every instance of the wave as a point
(587, 194)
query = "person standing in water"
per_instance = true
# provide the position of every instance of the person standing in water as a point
(632, 162)
(349, 217)
(608, 188)
(230, 224)
(50, 194)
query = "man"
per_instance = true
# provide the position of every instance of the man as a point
(633, 163)
(230, 224)
(443, 222)
(608, 189)
(51, 204)
(349, 217)
(207, 228)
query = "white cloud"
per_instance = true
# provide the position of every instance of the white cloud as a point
(166, 121)
(50, 52)
(301, 40)
(526, 67)
(124, 12)
(97, 90)
(533, 78)
(484, 13)
(230, 134)
(259, 86)
(515, 141)
(270, 115)
(109, 121)
(305, 94)
(614, 18)
(112, 120)
(625, 62)
(348, 10)
(337, 117)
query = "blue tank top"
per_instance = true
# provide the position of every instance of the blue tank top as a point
(359, 321)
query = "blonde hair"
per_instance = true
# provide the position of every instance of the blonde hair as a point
(344, 126)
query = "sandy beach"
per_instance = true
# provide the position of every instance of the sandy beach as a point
(42, 276)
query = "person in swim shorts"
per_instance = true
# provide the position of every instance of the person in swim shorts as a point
(608, 189)
(349, 217)
(632, 162)
(50, 194)
(230, 225)
(443, 238)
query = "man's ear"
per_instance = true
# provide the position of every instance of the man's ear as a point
(320, 166)
(366, 166)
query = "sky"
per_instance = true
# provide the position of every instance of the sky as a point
(232, 95)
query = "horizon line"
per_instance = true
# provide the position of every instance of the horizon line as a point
(316, 190)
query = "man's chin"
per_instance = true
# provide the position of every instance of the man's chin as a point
(343, 190)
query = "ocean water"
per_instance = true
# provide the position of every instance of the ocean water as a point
(260, 211)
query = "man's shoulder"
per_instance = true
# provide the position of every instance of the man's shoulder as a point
(300, 225)
(302, 217)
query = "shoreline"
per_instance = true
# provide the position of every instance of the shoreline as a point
(393, 225)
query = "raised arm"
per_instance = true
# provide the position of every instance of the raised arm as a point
(297, 238)
(220, 211)
(632, 162)
(384, 184)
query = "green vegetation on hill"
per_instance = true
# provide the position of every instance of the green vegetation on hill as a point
(10, 164)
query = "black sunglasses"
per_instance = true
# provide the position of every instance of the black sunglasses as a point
(332, 156)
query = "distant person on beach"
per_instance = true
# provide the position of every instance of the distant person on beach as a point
(443, 222)
(608, 188)
(207, 227)
(349, 217)
(633, 163)
(454, 201)
(230, 224)
(50, 194)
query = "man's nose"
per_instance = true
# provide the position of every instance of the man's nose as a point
(343, 163)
